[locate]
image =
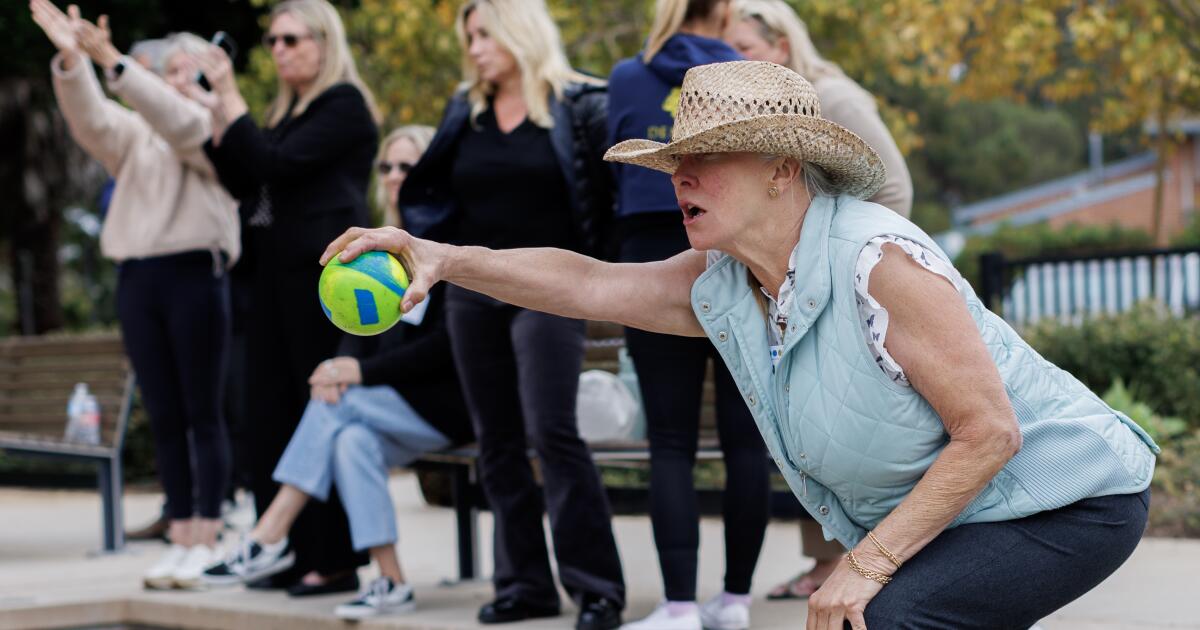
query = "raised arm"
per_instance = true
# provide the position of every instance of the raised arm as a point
(183, 123)
(104, 129)
(650, 296)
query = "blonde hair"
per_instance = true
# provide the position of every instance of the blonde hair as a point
(669, 16)
(420, 136)
(775, 21)
(525, 29)
(337, 63)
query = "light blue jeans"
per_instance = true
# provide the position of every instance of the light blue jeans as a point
(352, 444)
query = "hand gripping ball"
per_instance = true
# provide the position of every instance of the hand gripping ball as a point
(363, 296)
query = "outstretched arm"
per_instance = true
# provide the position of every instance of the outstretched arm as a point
(650, 296)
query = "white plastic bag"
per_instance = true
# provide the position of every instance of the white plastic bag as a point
(606, 409)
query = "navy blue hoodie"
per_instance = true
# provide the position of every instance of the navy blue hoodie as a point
(641, 102)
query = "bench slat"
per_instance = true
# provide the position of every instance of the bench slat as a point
(35, 442)
(20, 347)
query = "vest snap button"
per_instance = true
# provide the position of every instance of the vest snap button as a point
(705, 306)
(824, 510)
(787, 388)
(812, 304)
(803, 455)
(752, 400)
(722, 336)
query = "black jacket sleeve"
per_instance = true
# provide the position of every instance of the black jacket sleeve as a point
(333, 123)
(235, 180)
(416, 359)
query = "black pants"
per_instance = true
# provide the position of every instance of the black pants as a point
(520, 375)
(670, 373)
(174, 314)
(288, 337)
(1013, 573)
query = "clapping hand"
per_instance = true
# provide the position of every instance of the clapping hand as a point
(58, 26)
(96, 41)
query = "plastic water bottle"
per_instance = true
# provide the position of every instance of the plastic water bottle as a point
(83, 416)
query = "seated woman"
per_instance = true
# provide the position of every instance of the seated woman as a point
(383, 402)
(975, 484)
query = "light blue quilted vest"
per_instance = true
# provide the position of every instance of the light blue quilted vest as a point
(850, 442)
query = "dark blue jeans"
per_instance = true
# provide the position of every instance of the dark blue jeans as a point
(1013, 573)
(520, 375)
(174, 313)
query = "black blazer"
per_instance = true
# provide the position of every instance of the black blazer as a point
(578, 137)
(416, 361)
(315, 168)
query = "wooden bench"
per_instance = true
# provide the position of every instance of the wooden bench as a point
(37, 377)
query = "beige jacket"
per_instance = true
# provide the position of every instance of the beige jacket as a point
(167, 198)
(847, 104)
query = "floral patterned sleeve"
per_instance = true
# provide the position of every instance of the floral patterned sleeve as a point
(874, 317)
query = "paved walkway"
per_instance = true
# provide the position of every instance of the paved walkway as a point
(48, 578)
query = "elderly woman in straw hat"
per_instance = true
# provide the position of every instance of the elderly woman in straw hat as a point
(976, 485)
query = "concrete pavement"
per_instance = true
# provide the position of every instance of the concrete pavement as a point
(48, 579)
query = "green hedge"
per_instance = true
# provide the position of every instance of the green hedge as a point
(1155, 354)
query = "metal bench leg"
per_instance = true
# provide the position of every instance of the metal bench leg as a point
(111, 492)
(466, 518)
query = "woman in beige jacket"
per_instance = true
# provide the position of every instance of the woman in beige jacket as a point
(769, 30)
(173, 230)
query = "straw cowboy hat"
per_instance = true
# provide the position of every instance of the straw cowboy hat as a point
(758, 107)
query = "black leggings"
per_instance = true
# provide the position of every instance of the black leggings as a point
(670, 373)
(1013, 573)
(174, 314)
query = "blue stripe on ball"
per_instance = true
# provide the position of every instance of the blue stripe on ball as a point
(368, 314)
(375, 265)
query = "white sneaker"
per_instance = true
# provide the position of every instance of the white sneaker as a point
(162, 574)
(188, 575)
(381, 597)
(661, 619)
(715, 615)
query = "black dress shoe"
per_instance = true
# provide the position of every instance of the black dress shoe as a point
(598, 613)
(510, 609)
(342, 584)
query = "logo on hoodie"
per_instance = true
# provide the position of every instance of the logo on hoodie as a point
(670, 105)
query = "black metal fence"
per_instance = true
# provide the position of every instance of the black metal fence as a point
(1070, 288)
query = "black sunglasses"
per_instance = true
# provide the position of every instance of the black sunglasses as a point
(386, 167)
(289, 39)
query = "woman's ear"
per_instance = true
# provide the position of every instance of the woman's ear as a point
(787, 172)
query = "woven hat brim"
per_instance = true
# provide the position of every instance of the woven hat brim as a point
(851, 163)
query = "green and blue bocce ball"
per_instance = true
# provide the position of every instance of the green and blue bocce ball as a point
(363, 296)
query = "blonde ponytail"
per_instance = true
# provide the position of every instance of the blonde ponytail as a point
(668, 17)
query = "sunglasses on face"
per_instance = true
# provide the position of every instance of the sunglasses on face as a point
(289, 39)
(386, 167)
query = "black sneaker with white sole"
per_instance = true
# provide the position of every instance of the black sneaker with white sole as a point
(250, 561)
(381, 597)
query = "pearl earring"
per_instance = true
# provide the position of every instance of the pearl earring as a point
(773, 192)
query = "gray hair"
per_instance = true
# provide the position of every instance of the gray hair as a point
(816, 179)
(153, 50)
(183, 42)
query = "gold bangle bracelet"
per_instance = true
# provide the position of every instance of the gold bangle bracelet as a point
(884, 550)
(874, 576)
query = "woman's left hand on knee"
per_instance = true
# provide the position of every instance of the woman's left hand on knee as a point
(842, 598)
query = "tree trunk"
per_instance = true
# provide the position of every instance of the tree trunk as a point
(41, 170)
(1162, 148)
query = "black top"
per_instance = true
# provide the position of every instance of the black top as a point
(311, 171)
(416, 362)
(429, 201)
(510, 187)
